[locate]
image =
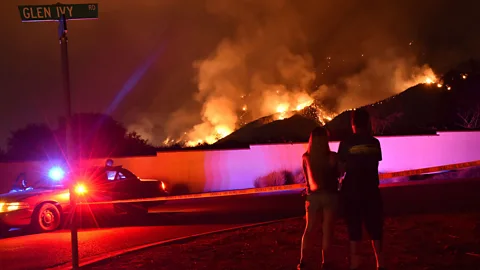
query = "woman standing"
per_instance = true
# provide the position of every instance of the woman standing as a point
(321, 174)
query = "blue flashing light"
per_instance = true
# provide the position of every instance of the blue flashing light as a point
(56, 173)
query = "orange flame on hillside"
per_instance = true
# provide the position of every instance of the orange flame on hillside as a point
(280, 102)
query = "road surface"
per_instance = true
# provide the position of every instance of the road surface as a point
(47, 250)
(182, 218)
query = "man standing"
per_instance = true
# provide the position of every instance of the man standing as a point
(359, 156)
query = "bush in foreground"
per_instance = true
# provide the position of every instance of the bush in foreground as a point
(278, 178)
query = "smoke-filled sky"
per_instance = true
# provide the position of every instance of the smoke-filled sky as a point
(166, 68)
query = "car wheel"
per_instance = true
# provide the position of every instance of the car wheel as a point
(46, 218)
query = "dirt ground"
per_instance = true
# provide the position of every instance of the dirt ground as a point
(427, 241)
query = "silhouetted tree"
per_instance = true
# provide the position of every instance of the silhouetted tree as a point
(94, 136)
(470, 119)
(382, 124)
(135, 145)
(35, 141)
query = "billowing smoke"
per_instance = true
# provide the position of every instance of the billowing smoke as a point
(379, 79)
(143, 127)
(264, 68)
(205, 67)
(276, 56)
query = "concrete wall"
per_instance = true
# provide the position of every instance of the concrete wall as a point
(201, 171)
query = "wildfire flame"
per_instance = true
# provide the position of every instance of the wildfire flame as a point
(282, 103)
(303, 105)
(420, 75)
(282, 109)
(432, 79)
(278, 103)
(427, 77)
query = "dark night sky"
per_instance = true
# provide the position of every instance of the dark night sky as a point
(109, 54)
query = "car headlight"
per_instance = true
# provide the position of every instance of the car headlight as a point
(12, 206)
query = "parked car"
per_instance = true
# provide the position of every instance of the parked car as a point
(44, 206)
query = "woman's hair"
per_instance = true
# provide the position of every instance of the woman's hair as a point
(318, 148)
(318, 142)
(318, 154)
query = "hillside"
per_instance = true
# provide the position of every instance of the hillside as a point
(294, 129)
(422, 109)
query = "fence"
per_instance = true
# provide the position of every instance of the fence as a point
(222, 170)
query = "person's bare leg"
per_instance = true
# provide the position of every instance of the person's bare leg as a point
(378, 249)
(310, 217)
(354, 257)
(327, 232)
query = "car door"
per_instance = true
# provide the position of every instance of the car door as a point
(125, 185)
(103, 185)
(100, 188)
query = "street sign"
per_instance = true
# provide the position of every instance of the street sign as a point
(62, 13)
(45, 13)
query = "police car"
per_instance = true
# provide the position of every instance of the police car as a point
(44, 206)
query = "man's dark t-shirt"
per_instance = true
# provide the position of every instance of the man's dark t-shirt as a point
(361, 154)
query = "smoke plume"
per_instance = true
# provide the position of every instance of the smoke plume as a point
(197, 69)
(262, 69)
(281, 55)
(379, 79)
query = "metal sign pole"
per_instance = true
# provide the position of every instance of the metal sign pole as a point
(58, 13)
(73, 230)
(66, 85)
(68, 136)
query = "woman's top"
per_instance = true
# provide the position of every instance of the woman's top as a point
(321, 175)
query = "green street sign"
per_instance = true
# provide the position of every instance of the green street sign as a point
(45, 13)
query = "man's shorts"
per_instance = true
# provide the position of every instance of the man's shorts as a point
(364, 208)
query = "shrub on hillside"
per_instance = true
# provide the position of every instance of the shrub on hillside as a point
(298, 177)
(473, 172)
(278, 178)
(394, 180)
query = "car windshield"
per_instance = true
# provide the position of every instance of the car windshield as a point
(39, 183)
(127, 174)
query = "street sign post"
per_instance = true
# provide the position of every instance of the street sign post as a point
(54, 13)
(62, 13)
